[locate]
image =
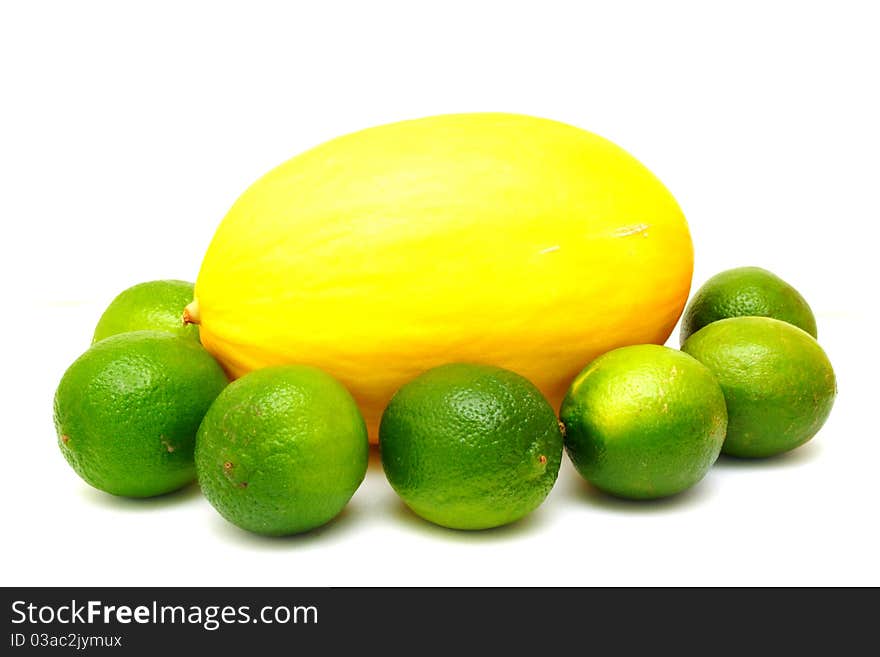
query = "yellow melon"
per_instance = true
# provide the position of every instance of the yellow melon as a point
(491, 238)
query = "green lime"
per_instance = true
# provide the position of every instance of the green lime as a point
(128, 409)
(282, 450)
(777, 380)
(746, 291)
(470, 446)
(644, 421)
(152, 306)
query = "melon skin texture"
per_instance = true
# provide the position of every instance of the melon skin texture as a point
(499, 239)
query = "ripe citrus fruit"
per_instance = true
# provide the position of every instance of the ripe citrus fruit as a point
(777, 380)
(644, 421)
(470, 446)
(155, 305)
(746, 291)
(282, 450)
(128, 409)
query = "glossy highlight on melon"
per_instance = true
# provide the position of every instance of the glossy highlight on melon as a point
(501, 239)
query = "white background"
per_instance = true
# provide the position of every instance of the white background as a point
(127, 133)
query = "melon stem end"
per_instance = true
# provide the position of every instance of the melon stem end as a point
(191, 313)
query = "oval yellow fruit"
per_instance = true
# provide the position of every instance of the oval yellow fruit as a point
(499, 239)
